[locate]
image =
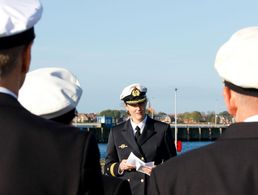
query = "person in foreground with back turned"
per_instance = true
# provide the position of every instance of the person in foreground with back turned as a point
(53, 93)
(38, 156)
(228, 166)
(140, 138)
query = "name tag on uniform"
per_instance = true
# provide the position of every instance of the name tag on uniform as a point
(122, 146)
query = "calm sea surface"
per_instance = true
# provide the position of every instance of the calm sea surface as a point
(186, 146)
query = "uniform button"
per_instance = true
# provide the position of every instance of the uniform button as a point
(142, 180)
(142, 158)
(128, 180)
(129, 169)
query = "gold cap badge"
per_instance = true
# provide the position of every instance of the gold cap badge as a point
(136, 92)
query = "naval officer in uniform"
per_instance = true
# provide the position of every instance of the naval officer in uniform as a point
(38, 156)
(54, 93)
(148, 139)
(228, 166)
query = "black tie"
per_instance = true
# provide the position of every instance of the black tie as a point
(138, 133)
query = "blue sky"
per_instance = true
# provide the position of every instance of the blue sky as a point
(163, 45)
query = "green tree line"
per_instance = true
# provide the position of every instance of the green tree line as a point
(187, 117)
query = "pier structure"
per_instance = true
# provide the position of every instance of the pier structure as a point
(185, 132)
(198, 132)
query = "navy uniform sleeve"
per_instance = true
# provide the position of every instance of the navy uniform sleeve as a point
(116, 186)
(112, 161)
(91, 177)
(169, 144)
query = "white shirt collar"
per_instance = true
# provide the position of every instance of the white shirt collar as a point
(7, 91)
(141, 124)
(253, 118)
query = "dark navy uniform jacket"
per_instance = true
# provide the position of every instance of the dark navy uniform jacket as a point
(228, 166)
(116, 186)
(39, 157)
(156, 144)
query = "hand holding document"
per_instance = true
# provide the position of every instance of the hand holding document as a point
(139, 164)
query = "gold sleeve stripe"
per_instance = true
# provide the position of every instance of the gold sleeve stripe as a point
(112, 169)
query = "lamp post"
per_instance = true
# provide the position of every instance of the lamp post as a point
(215, 115)
(175, 119)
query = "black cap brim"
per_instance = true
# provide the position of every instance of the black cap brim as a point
(19, 39)
(241, 90)
(136, 101)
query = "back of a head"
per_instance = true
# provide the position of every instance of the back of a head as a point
(237, 64)
(52, 93)
(237, 61)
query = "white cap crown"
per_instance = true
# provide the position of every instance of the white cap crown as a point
(134, 93)
(18, 15)
(50, 92)
(237, 60)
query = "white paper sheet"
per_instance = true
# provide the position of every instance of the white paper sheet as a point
(139, 164)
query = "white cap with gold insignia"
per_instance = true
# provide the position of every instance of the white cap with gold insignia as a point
(134, 94)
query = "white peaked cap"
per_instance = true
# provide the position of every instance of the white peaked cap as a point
(50, 92)
(237, 60)
(18, 15)
(134, 93)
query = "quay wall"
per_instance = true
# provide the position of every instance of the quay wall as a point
(189, 132)
(198, 132)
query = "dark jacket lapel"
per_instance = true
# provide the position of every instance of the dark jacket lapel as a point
(128, 134)
(148, 131)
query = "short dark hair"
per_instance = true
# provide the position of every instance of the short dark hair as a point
(66, 118)
(9, 58)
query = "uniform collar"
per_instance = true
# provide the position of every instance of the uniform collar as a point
(141, 124)
(253, 118)
(7, 91)
(241, 130)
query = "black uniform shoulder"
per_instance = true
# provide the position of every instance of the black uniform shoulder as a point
(119, 126)
(199, 156)
(158, 123)
(48, 127)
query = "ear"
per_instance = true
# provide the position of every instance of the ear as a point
(125, 106)
(26, 58)
(127, 109)
(230, 101)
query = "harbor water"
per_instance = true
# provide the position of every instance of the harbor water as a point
(186, 146)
